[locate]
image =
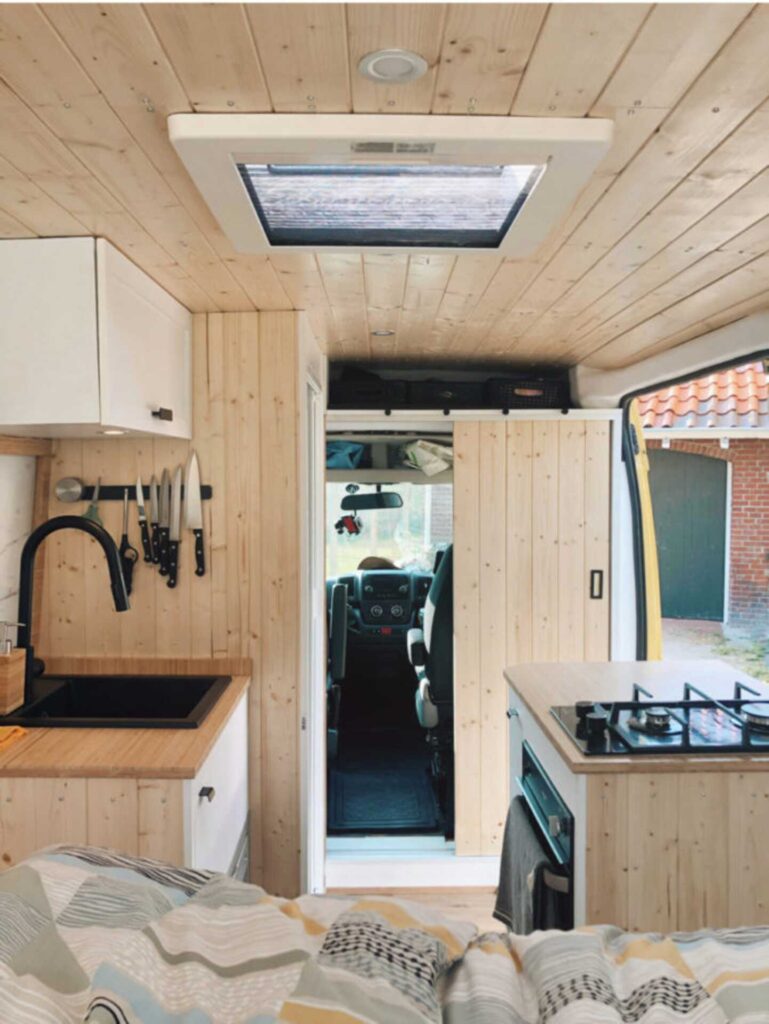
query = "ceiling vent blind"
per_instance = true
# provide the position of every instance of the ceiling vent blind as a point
(329, 182)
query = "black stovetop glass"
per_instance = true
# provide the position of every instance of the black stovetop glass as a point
(695, 727)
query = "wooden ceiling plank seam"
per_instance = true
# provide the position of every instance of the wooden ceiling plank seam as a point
(22, 200)
(586, 39)
(426, 282)
(40, 155)
(214, 55)
(545, 14)
(305, 62)
(739, 285)
(105, 38)
(486, 48)
(384, 277)
(411, 26)
(675, 114)
(656, 33)
(342, 275)
(688, 254)
(10, 227)
(72, 106)
(578, 297)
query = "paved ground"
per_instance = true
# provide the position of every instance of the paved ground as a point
(691, 638)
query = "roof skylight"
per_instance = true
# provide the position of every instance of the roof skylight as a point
(388, 205)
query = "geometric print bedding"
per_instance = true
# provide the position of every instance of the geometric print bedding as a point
(88, 935)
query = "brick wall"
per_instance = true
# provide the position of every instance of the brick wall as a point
(749, 541)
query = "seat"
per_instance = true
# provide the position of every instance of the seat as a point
(431, 653)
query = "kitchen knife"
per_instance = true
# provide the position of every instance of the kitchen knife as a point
(154, 520)
(165, 520)
(193, 510)
(175, 529)
(145, 533)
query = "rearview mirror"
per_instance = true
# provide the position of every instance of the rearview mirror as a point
(367, 502)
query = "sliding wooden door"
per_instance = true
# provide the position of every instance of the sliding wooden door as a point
(531, 583)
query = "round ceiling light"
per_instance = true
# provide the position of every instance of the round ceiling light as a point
(392, 66)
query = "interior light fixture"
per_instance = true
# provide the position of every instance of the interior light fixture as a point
(392, 66)
(383, 334)
(112, 432)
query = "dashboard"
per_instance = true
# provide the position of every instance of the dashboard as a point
(383, 603)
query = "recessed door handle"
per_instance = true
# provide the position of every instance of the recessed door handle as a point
(596, 584)
(207, 793)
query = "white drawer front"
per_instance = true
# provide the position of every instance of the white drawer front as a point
(213, 827)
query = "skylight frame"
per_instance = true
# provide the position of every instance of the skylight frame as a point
(213, 145)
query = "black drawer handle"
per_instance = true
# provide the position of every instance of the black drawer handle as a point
(207, 793)
(596, 584)
(163, 414)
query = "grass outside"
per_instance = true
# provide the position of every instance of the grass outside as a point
(690, 638)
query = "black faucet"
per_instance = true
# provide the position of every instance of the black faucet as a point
(26, 579)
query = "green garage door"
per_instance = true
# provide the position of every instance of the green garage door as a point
(689, 498)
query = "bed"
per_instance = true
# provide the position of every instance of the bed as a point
(88, 935)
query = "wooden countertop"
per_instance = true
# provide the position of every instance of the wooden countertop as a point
(541, 686)
(124, 753)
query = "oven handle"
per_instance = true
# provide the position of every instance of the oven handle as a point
(541, 821)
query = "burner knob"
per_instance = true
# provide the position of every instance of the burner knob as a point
(596, 727)
(583, 708)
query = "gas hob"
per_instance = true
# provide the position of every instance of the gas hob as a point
(696, 724)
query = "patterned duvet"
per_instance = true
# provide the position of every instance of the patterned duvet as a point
(89, 936)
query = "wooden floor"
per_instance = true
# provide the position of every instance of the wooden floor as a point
(475, 904)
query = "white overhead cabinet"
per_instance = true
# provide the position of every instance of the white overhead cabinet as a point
(89, 343)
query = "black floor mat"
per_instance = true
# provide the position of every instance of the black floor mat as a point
(375, 788)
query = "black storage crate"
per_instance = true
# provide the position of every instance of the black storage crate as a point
(367, 391)
(446, 394)
(528, 392)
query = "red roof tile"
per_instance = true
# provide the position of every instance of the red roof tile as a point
(733, 398)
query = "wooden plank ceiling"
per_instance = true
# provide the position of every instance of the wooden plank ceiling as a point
(669, 239)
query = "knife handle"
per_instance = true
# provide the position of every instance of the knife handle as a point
(163, 550)
(155, 543)
(200, 554)
(146, 548)
(173, 562)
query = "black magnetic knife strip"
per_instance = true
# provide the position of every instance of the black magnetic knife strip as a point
(114, 492)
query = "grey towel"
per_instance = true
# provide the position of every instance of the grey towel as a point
(524, 903)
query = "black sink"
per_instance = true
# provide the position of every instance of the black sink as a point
(115, 702)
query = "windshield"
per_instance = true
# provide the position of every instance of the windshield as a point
(409, 536)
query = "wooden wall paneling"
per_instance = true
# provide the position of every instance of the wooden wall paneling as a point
(213, 53)
(494, 694)
(410, 26)
(59, 810)
(123, 55)
(572, 579)
(746, 825)
(17, 820)
(467, 632)
(201, 603)
(279, 523)
(113, 814)
(215, 376)
(703, 856)
(577, 50)
(486, 48)
(160, 816)
(521, 517)
(607, 852)
(303, 50)
(544, 598)
(653, 852)
(597, 625)
(44, 73)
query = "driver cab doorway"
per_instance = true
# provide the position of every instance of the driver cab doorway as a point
(390, 752)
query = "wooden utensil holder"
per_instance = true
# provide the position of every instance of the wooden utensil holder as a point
(12, 680)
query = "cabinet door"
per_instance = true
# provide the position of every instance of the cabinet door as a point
(145, 350)
(49, 372)
(216, 800)
(531, 583)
